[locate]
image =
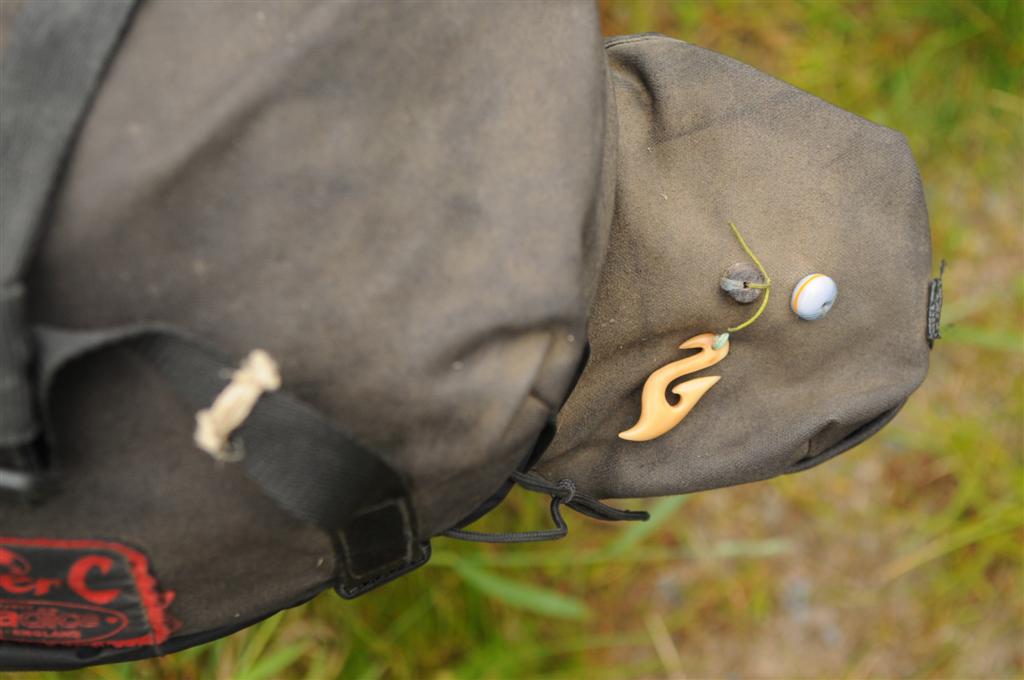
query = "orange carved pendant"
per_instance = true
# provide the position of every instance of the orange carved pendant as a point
(657, 416)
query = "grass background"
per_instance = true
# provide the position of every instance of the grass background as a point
(900, 558)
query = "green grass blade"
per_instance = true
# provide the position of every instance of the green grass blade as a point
(521, 595)
(986, 338)
(661, 512)
(257, 641)
(271, 665)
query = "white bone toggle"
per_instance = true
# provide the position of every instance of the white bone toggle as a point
(214, 426)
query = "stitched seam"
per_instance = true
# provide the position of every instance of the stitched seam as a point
(362, 586)
(368, 584)
(626, 40)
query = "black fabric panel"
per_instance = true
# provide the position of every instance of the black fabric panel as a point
(48, 74)
(227, 550)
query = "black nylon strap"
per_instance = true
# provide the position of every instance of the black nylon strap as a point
(300, 458)
(50, 70)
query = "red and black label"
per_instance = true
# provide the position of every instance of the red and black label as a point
(80, 593)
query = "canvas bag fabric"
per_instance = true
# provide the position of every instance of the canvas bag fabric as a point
(704, 141)
(409, 208)
(390, 200)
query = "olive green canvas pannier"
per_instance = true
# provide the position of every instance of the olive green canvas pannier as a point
(290, 289)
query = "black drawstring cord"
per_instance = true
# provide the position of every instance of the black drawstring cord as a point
(563, 493)
(578, 501)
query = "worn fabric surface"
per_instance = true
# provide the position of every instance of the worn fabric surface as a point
(408, 207)
(402, 203)
(704, 141)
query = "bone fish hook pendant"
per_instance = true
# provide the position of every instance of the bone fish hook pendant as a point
(657, 416)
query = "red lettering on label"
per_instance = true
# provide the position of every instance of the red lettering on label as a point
(80, 570)
(17, 580)
(15, 563)
(51, 617)
(80, 593)
(24, 585)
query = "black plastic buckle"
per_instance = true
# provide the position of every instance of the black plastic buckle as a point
(352, 590)
(377, 546)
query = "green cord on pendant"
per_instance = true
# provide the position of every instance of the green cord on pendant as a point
(722, 338)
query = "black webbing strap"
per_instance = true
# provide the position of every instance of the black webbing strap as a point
(49, 72)
(300, 458)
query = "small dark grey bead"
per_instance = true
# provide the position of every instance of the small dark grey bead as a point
(736, 277)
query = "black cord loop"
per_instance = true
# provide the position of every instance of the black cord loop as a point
(562, 493)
